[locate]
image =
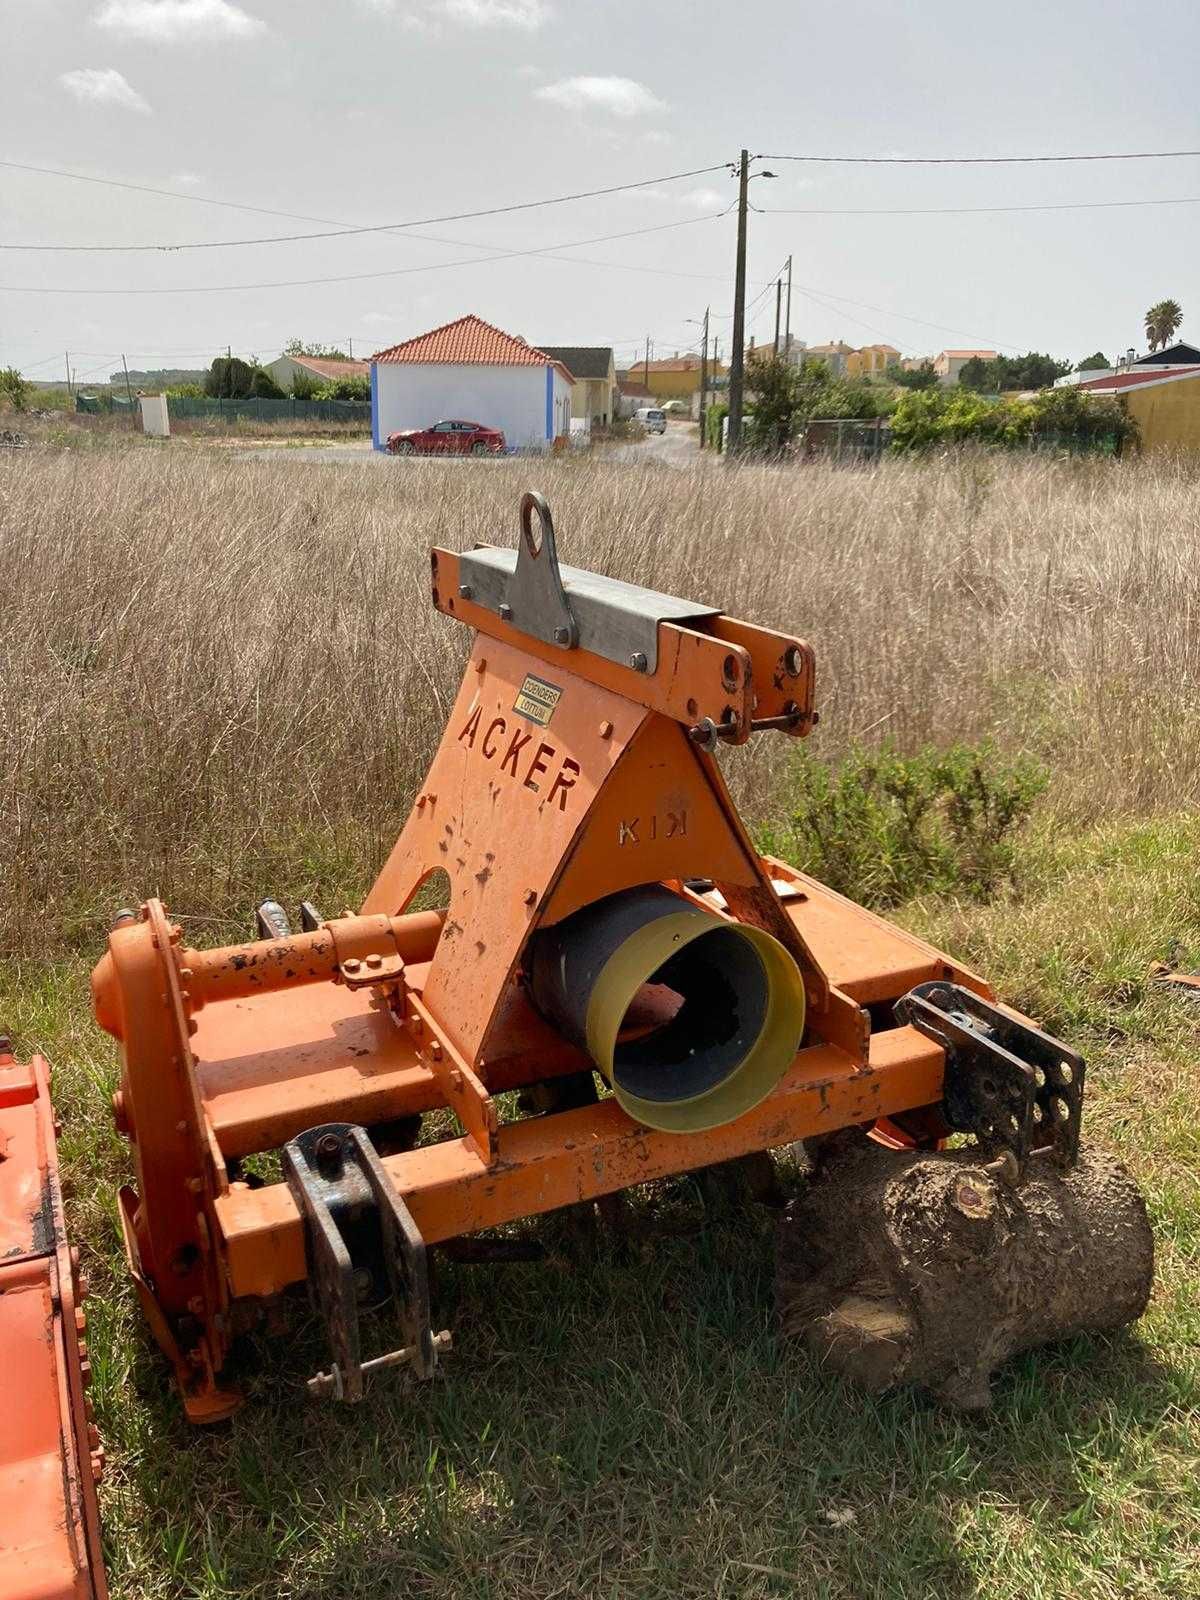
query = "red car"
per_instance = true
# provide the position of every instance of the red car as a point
(447, 439)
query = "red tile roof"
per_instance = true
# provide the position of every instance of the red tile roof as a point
(1131, 380)
(326, 368)
(470, 341)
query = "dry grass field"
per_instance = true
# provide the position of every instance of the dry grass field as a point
(221, 679)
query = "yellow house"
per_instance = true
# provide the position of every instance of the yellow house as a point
(677, 378)
(1166, 409)
(872, 361)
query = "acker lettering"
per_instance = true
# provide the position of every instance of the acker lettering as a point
(516, 762)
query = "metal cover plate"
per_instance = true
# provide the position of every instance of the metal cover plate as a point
(616, 620)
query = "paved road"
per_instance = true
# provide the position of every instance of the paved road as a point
(678, 447)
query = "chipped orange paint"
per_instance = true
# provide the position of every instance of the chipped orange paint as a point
(50, 1454)
(560, 778)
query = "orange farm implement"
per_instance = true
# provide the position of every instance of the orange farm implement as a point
(50, 1456)
(609, 942)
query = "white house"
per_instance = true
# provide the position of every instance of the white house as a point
(317, 369)
(472, 372)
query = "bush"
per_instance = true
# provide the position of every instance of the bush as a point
(229, 378)
(264, 387)
(714, 424)
(14, 388)
(1056, 418)
(342, 389)
(185, 391)
(882, 828)
(786, 397)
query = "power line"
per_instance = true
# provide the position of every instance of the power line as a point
(543, 251)
(338, 232)
(886, 311)
(981, 161)
(956, 211)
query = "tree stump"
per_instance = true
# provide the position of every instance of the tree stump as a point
(927, 1268)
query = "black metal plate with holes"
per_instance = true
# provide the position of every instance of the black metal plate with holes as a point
(362, 1246)
(1007, 1082)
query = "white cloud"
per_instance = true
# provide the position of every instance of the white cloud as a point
(103, 86)
(620, 97)
(527, 14)
(172, 20)
(430, 15)
(705, 199)
(698, 199)
(187, 180)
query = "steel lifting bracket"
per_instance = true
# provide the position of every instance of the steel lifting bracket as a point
(1007, 1082)
(567, 606)
(362, 1245)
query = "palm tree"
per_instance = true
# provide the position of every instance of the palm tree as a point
(1162, 322)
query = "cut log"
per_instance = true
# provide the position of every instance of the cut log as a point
(927, 1268)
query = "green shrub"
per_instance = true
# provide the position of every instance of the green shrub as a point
(714, 423)
(882, 828)
(264, 387)
(1066, 418)
(229, 378)
(343, 389)
(14, 388)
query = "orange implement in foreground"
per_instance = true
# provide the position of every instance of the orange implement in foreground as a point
(610, 943)
(50, 1454)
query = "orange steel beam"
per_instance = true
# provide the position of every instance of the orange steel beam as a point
(552, 1161)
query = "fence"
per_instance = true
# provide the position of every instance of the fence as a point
(286, 410)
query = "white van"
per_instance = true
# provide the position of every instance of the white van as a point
(652, 419)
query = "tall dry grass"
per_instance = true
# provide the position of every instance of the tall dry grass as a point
(222, 678)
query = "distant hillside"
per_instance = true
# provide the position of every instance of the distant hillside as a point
(159, 377)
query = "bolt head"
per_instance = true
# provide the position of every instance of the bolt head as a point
(638, 661)
(352, 965)
(505, 613)
(562, 635)
(465, 591)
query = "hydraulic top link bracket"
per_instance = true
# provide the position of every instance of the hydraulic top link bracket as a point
(362, 1245)
(1011, 1085)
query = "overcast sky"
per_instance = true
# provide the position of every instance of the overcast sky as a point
(364, 112)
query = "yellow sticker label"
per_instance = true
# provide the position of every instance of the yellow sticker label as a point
(536, 700)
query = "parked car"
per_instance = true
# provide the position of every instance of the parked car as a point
(447, 439)
(652, 419)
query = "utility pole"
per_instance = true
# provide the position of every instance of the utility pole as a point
(352, 348)
(737, 357)
(787, 338)
(703, 375)
(778, 302)
(128, 389)
(647, 373)
(67, 357)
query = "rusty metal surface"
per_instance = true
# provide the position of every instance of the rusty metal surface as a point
(557, 1160)
(50, 1453)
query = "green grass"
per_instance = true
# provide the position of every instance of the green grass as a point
(623, 1420)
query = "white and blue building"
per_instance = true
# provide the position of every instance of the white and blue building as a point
(470, 371)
